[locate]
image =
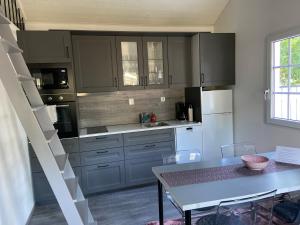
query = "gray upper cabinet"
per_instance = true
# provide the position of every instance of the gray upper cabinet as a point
(155, 62)
(45, 46)
(130, 63)
(179, 58)
(95, 63)
(213, 58)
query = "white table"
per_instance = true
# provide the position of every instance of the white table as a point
(195, 196)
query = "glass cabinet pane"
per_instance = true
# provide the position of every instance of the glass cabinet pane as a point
(130, 67)
(155, 63)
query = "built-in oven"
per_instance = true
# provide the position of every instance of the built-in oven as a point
(53, 78)
(66, 120)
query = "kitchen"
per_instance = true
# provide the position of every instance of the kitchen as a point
(101, 83)
(149, 112)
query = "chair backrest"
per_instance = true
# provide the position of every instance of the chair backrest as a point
(183, 156)
(238, 149)
(244, 210)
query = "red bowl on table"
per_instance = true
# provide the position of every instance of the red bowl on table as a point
(255, 162)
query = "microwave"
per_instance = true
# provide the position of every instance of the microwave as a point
(53, 79)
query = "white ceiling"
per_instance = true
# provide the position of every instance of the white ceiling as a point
(118, 13)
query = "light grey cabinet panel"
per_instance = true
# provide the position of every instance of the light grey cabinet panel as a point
(100, 142)
(179, 58)
(139, 171)
(95, 63)
(45, 46)
(74, 159)
(102, 156)
(147, 137)
(149, 151)
(70, 144)
(103, 177)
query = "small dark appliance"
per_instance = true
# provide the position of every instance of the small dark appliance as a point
(180, 111)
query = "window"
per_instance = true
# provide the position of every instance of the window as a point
(284, 79)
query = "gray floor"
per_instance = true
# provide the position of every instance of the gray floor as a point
(128, 207)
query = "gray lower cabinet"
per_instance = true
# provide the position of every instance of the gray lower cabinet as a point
(149, 151)
(139, 171)
(42, 190)
(148, 137)
(103, 177)
(70, 144)
(101, 142)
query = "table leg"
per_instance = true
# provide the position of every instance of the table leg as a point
(188, 217)
(160, 203)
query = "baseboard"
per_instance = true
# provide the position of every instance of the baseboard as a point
(30, 215)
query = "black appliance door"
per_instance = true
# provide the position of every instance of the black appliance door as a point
(66, 120)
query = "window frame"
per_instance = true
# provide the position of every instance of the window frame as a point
(269, 66)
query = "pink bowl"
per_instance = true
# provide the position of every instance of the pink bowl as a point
(255, 162)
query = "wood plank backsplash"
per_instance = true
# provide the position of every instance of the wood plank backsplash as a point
(111, 108)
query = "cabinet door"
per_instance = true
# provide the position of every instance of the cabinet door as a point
(103, 177)
(179, 58)
(155, 62)
(139, 171)
(95, 63)
(217, 59)
(45, 46)
(130, 63)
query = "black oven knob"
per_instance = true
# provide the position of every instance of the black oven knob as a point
(50, 98)
(60, 98)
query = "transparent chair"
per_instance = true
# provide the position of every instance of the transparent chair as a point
(244, 211)
(238, 149)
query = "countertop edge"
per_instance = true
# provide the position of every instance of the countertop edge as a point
(139, 129)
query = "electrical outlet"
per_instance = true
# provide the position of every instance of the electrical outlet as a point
(162, 99)
(131, 101)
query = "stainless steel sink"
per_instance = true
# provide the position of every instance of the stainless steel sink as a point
(157, 124)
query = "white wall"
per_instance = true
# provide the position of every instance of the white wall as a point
(16, 196)
(252, 21)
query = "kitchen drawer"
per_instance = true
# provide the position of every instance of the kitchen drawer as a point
(146, 137)
(74, 159)
(153, 150)
(102, 156)
(189, 138)
(139, 171)
(101, 142)
(70, 144)
(42, 190)
(103, 177)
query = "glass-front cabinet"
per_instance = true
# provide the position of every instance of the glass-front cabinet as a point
(155, 62)
(130, 65)
(142, 62)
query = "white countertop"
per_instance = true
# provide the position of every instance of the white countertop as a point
(128, 128)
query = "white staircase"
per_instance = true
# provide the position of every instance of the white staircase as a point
(36, 122)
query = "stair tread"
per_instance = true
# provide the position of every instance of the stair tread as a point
(25, 78)
(10, 48)
(83, 210)
(61, 161)
(37, 108)
(72, 184)
(49, 134)
(3, 19)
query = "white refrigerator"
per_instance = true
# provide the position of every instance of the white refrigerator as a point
(217, 122)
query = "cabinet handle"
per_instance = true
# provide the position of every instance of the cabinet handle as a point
(116, 82)
(170, 79)
(146, 81)
(202, 77)
(102, 152)
(67, 52)
(150, 146)
(101, 138)
(102, 166)
(189, 128)
(142, 81)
